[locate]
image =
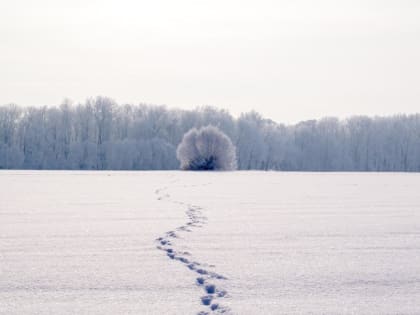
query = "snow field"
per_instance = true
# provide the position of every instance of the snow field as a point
(209, 243)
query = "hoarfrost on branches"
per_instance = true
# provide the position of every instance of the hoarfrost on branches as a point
(102, 135)
(206, 148)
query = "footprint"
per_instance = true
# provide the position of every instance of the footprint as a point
(206, 300)
(202, 271)
(171, 234)
(191, 266)
(210, 288)
(214, 306)
(183, 260)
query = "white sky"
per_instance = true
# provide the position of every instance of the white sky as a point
(290, 60)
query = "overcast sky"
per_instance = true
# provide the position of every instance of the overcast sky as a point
(290, 60)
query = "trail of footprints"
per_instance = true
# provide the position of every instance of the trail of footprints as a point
(205, 277)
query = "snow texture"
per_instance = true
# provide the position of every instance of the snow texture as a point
(209, 242)
(206, 148)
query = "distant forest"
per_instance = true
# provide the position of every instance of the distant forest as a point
(101, 135)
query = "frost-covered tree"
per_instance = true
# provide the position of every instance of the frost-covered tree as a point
(206, 148)
(100, 134)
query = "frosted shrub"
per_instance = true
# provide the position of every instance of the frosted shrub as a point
(206, 148)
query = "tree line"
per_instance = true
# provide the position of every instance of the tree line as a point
(102, 135)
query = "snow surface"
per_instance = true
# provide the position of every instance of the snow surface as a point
(187, 242)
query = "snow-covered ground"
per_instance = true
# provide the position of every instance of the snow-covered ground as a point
(241, 242)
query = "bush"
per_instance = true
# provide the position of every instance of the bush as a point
(206, 148)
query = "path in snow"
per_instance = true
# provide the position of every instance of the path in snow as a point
(205, 276)
(290, 243)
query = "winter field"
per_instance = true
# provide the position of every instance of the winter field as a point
(209, 242)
